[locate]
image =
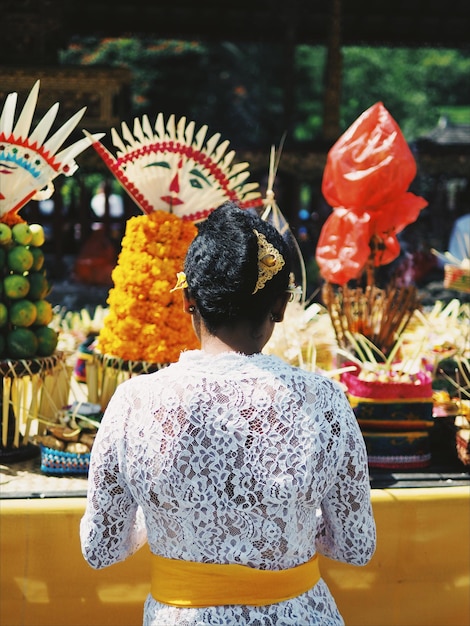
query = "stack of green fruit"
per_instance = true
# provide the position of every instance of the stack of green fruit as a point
(25, 314)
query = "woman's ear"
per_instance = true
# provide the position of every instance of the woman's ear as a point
(189, 305)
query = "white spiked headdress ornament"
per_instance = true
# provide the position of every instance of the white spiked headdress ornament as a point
(30, 162)
(172, 168)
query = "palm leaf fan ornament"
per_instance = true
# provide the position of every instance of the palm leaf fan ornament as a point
(171, 167)
(274, 216)
(29, 159)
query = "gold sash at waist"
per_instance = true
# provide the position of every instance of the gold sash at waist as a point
(192, 584)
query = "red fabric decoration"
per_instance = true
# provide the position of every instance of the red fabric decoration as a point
(367, 174)
(343, 246)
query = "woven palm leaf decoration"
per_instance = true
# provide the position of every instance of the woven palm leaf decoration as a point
(171, 167)
(272, 214)
(29, 161)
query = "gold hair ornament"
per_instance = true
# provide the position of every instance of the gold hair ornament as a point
(181, 282)
(270, 261)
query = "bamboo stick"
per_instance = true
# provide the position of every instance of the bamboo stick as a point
(5, 409)
(91, 369)
(16, 396)
(33, 408)
(380, 315)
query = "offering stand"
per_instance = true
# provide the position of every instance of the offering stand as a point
(34, 384)
(33, 391)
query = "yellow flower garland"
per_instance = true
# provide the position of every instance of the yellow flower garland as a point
(146, 322)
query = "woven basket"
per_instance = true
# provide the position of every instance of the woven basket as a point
(457, 278)
(60, 463)
(390, 406)
(395, 420)
(31, 389)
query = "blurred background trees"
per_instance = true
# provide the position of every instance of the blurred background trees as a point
(240, 90)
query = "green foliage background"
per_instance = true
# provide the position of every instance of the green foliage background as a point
(249, 94)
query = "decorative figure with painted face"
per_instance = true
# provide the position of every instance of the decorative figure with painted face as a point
(30, 162)
(177, 176)
(172, 168)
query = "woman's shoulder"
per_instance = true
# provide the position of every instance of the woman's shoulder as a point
(146, 380)
(287, 369)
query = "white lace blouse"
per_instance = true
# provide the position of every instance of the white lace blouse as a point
(231, 459)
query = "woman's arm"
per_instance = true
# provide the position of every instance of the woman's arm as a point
(112, 527)
(346, 529)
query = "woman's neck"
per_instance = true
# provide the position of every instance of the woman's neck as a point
(241, 339)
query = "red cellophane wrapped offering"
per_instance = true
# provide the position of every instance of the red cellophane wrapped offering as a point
(366, 180)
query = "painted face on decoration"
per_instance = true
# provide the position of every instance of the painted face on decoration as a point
(6, 169)
(191, 178)
(184, 184)
(175, 171)
(23, 171)
(28, 158)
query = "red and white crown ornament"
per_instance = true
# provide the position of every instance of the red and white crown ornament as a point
(172, 168)
(29, 160)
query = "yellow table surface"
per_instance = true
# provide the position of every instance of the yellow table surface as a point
(420, 573)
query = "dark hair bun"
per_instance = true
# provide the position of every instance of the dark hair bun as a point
(222, 267)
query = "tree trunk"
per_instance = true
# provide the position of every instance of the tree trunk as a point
(333, 75)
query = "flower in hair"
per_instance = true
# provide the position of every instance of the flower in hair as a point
(270, 261)
(181, 282)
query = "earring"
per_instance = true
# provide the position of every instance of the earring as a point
(191, 308)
